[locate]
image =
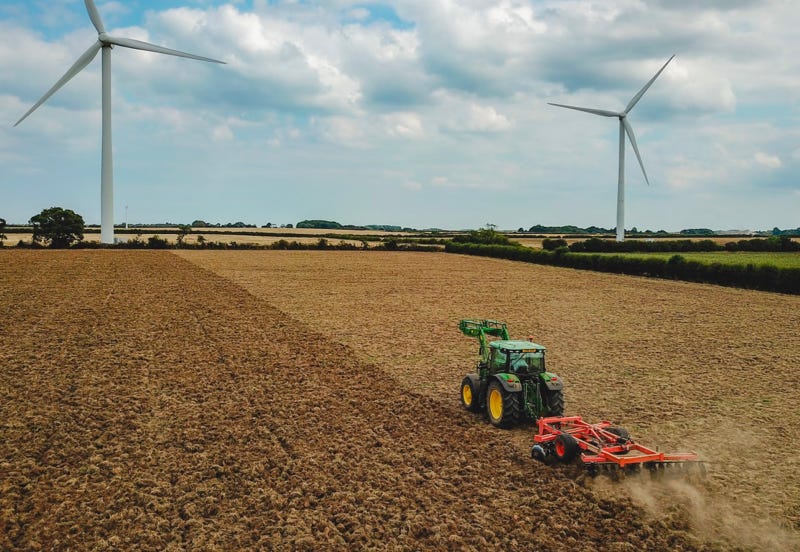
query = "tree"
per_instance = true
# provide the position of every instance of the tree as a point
(484, 235)
(326, 224)
(58, 227)
(183, 229)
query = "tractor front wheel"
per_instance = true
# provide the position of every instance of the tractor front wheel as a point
(469, 395)
(503, 407)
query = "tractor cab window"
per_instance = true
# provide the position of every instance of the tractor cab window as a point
(527, 362)
(498, 360)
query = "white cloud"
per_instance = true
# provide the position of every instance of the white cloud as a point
(359, 13)
(222, 133)
(460, 114)
(404, 125)
(768, 161)
(109, 10)
(686, 175)
(696, 85)
(486, 119)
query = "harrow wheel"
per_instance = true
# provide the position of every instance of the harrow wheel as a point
(502, 407)
(565, 448)
(469, 395)
(624, 437)
(620, 432)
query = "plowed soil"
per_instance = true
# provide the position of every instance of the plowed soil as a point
(683, 366)
(147, 403)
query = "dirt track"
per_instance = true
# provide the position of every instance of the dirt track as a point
(147, 403)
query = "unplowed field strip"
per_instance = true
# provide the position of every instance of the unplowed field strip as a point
(683, 366)
(148, 404)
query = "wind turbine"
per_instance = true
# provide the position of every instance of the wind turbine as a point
(624, 127)
(105, 43)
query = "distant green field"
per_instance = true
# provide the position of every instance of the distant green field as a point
(781, 260)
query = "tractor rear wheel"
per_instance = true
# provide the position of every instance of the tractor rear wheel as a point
(503, 407)
(565, 448)
(469, 395)
(554, 403)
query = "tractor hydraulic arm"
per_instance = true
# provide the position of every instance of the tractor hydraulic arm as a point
(481, 329)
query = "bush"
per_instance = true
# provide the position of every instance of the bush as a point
(597, 245)
(551, 244)
(486, 236)
(765, 277)
(154, 242)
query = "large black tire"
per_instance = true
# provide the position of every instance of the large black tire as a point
(554, 402)
(504, 408)
(565, 448)
(624, 437)
(469, 395)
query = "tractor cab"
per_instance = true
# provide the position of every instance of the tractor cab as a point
(516, 357)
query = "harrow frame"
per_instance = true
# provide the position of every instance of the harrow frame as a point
(599, 445)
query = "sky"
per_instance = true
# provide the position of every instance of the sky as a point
(415, 113)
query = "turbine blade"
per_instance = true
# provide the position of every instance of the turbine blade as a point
(76, 68)
(94, 15)
(601, 112)
(632, 138)
(638, 96)
(146, 46)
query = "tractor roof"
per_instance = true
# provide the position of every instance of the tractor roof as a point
(514, 345)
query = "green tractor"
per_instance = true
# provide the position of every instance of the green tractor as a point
(511, 382)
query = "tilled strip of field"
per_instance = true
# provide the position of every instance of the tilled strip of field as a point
(683, 366)
(148, 404)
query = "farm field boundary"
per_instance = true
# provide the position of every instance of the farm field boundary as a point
(676, 267)
(149, 404)
(683, 366)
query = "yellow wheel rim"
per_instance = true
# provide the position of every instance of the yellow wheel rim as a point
(466, 394)
(496, 404)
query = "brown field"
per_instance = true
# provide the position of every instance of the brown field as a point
(262, 239)
(307, 400)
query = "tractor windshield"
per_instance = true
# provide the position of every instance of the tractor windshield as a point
(526, 362)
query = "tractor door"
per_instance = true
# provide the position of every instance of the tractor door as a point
(497, 361)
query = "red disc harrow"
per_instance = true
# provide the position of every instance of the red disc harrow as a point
(563, 439)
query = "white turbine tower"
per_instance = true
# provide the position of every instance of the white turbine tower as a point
(624, 127)
(105, 43)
